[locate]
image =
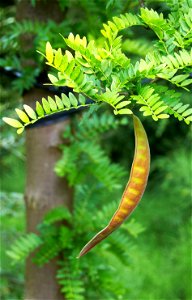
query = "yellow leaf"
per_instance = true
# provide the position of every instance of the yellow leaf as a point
(49, 52)
(12, 122)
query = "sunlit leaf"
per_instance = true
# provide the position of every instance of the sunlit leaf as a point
(12, 122)
(49, 52)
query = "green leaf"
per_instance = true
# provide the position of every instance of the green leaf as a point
(124, 111)
(52, 78)
(30, 112)
(179, 78)
(185, 56)
(20, 130)
(82, 99)
(160, 109)
(155, 118)
(65, 100)
(70, 67)
(143, 108)
(46, 106)
(52, 104)
(73, 100)
(86, 87)
(12, 122)
(188, 120)
(49, 52)
(39, 109)
(187, 112)
(156, 105)
(183, 108)
(75, 73)
(186, 82)
(176, 107)
(22, 115)
(59, 102)
(122, 104)
(147, 113)
(56, 214)
(58, 58)
(173, 61)
(163, 116)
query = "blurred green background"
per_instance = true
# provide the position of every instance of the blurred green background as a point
(158, 265)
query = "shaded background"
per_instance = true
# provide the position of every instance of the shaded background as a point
(154, 262)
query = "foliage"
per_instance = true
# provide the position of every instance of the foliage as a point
(168, 224)
(161, 257)
(14, 52)
(9, 141)
(69, 278)
(12, 226)
(86, 156)
(12, 218)
(99, 69)
(89, 166)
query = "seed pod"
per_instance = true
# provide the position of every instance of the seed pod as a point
(134, 189)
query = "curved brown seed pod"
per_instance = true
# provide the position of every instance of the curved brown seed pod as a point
(134, 189)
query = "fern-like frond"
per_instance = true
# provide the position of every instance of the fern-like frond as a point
(93, 59)
(186, 24)
(181, 81)
(24, 246)
(26, 26)
(89, 154)
(181, 112)
(133, 228)
(174, 107)
(47, 251)
(70, 74)
(177, 61)
(115, 100)
(156, 65)
(15, 30)
(160, 102)
(181, 19)
(91, 126)
(100, 71)
(94, 160)
(78, 44)
(69, 278)
(151, 103)
(104, 171)
(87, 54)
(56, 214)
(156, 22)
(121, 244)
(112, 28)
(47, 107)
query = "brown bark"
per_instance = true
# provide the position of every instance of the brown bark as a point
(44, 190)
(42, 11)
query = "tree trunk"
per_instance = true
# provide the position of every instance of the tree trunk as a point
(44, 190)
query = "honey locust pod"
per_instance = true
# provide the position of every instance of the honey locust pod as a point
(134, 189)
